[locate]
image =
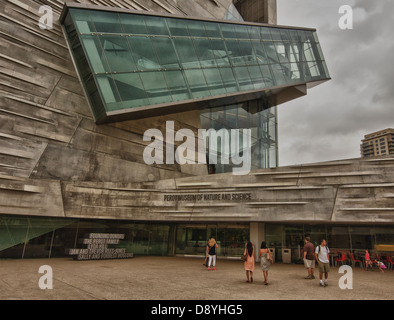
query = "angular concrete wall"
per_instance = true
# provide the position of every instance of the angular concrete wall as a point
(348, 191)
(47, 134)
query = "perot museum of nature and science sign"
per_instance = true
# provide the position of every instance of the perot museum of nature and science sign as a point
(196, 197)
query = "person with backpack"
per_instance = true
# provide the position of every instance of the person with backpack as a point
(322, 255)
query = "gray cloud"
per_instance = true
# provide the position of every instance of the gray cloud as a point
(331, 120)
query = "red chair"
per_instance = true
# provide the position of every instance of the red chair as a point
(355, 261)
(343, 258)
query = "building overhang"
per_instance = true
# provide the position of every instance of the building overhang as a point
(135, 64)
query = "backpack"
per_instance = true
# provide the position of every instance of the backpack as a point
(328, 250)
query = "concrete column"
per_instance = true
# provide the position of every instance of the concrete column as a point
(257, 235)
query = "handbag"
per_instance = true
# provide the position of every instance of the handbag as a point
(244, 257)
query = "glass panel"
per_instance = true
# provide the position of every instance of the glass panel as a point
(220, 53)
(275, 34)
(156, 25)
(228, 31)
(82, 21)
(156, 87)
(313, 69)
(95, 53)
(177, 85)
(296, 48)
(259, 51)
(267, 76)
(133, 24)
(144, 54)
(265, 34)
(106, 22)
(118, 54)
(204, 52)
(196, 28)
(109, 92)
(168, 57)
(214, 81)
(229, 80)
(212, 30)
(283, 52)
(295, 72)
(242, 31)
(234, 52)
(271, 52)
(257, 77)
(294, 35)
(308, 52)
(254, 33)
(243, 77)
(178, 27)
(197, 83)
(247, 52)
(278, 74)
(285, 35)
(131, 90)
(186, 53)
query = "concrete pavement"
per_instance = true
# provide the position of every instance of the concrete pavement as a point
(178, 278)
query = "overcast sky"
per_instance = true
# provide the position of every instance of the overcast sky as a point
(329, 123)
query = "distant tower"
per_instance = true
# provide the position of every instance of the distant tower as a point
(376, 144)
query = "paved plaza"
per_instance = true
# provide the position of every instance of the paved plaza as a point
(179, 278)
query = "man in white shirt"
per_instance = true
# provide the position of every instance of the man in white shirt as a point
(322, 255)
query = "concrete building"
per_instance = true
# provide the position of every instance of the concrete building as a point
(380, 143)
(78, 97)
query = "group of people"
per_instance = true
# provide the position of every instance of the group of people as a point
(321, 255)
(248, 257)
(311, 255)
(369, 263)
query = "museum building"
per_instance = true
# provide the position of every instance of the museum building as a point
(77, 99)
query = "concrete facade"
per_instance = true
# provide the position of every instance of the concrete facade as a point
(348, 191)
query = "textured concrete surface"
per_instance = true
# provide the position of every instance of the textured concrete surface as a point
(175, 278)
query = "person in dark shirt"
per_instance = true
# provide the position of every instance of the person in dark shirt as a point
(309, 258)
(211, 248)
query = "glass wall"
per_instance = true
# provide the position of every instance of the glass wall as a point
(38, 237)
(255, 115)
(339, 237)
(29, 237)
(191, 239)
(132, 60)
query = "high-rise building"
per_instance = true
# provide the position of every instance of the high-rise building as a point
(376, 144)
